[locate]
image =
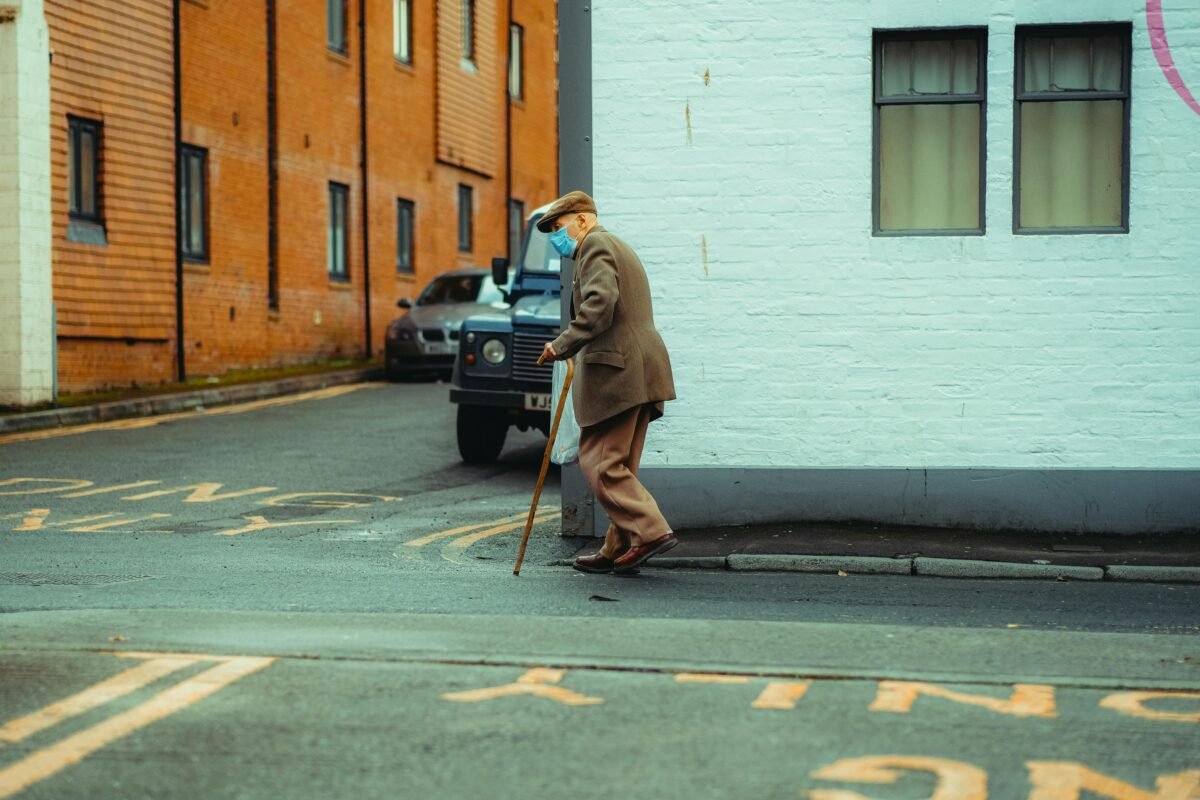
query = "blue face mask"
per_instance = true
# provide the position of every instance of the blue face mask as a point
(563, 243)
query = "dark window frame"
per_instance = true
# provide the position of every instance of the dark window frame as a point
(338, 8)
(187, 152)
(516, 227)
(339, 196)
(406, 212)
(468, 30)
(1123, 31)
(516, 60)
(76, 127)
(466, 214)
(882, 36)
(407, 6)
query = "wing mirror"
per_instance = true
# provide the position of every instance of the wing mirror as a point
(404, 303)
(500, 271)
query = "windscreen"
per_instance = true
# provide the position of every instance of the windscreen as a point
(539, 255)
(460, 289)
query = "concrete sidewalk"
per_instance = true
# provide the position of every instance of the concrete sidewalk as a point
(865, 549)
(184, 400)
(858, 548)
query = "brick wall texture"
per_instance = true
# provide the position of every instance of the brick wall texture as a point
(112, 62)
(734, 152)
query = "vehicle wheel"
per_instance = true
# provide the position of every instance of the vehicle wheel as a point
(481, 433)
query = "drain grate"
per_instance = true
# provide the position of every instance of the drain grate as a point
(43, 579)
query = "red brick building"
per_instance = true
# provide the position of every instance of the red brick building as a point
(290, 249)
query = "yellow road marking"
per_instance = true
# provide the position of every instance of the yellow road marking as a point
(710, 677)
(52, 759)
(148, 422)
(955, 780)
(1028, 699)
(534, 682)
(1131, 704)
(119, 685)
(260, 523)
(72, 484)
(781, 695)
(106, 489)
(454, 551)
(116, 523)
(282, 500)
(466, 541)
(1066, 780)
(31, 520)
(433, 537)
(205, 492)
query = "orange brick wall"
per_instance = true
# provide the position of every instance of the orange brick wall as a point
(535, 115)
(223, 68)
(116, 303)
(471, 94)
(227, 323)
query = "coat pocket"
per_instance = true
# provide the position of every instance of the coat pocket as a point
(606, 357)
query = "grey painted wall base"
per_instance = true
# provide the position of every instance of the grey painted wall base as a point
(1083, 501)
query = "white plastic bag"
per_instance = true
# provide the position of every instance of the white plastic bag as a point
(566, 444)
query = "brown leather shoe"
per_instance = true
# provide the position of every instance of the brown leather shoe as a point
(635, 556)
(596, 563)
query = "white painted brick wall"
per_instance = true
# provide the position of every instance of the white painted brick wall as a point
(26, 336)
(802, 340)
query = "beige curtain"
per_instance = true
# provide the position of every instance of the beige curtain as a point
(929, 153)
(929, 167)
(1071, 157)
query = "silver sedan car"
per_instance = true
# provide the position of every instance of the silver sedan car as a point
(424, 340)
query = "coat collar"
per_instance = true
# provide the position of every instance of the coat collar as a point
(597, 229)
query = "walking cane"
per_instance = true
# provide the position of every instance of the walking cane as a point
(537, 493)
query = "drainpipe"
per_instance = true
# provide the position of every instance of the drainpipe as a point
(180, 361)
(272, 166)
(508, 151)
(366, 200)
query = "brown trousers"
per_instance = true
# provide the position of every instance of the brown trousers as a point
(609, 455)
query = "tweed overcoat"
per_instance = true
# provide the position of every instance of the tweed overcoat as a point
(622, 361)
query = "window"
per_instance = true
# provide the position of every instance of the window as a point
(450, 289)
(465, 204)
(335, 19)
(929, 131)
(339, 195)
(193, 202)
(468, 30)
(402, 30)
(516, 61)
(516, 226)
(1072, 129)
(405, 211)
(83, 168)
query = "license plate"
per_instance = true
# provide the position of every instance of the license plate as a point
(537, 402)
(437, 348)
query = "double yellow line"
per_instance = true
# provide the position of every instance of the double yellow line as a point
(51, 759)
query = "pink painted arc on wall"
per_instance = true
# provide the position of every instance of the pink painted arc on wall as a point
(1162, 51)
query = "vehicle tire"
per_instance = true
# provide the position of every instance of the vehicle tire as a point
(481, 433)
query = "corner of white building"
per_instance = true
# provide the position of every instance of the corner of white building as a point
(995, 377)
(27, 336)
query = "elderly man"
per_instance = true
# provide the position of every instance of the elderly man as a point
(622, 378)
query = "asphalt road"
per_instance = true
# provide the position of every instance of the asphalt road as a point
(312, 597)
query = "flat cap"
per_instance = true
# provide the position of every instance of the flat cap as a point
(570, 203)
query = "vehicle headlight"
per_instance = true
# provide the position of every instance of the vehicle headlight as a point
(494, 351)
